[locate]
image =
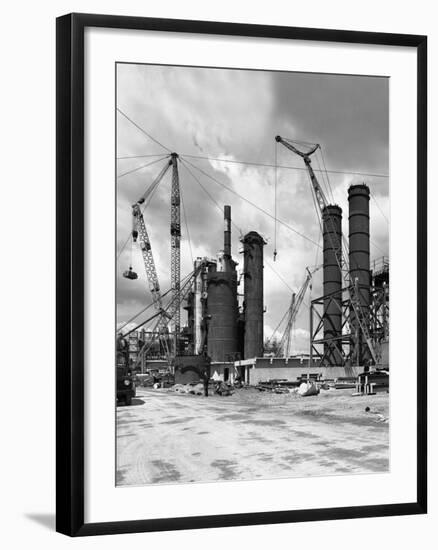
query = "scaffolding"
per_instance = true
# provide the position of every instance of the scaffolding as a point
(342, 350)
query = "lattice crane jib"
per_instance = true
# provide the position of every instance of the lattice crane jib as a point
(319, 193)
(294, 308)
(285, 343)
(175, 254)
(140, 234)
(175, 303)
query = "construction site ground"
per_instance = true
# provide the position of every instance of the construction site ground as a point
(167, 437)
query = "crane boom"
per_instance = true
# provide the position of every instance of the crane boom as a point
(319, 193)
(139, 232)
(139, 228)
(166, 313)
(294, 308)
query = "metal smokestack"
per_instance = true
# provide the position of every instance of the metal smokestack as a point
(332, 283)
(253, 276)
(359, 259)
(222, 303)
(227, 231)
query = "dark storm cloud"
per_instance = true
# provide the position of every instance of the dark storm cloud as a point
(236, 115)
(348, 115)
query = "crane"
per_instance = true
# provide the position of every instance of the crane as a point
(322, 203)
(140, 233)
(166, 313)
(175, 248)
(294, 308)
(319, 194)
(321, 199)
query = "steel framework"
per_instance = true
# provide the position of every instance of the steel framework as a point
(333, 351)
(175, 253)
(343, 350)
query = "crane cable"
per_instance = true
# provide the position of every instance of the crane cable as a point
(142, 166)
(252, 203)
(325, 178)
(326, 174)
(148, 194)
(131, 251)
(277, 328)
(275, 202)
(184, 163)
(131, 157)
(184, 282)
(140, 312)
(282, 166)
(377, 204)
(178, 298)
(271, 267)
(142, 130)
(186, 222)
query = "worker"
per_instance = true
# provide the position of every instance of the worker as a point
(121, 343)
(123, 349)
(205, 376)
(366, 366)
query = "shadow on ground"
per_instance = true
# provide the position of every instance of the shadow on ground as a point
(135, 402)
(46, 520)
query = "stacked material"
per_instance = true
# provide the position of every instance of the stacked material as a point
(308, 388)
(277, 385)
(193, 389)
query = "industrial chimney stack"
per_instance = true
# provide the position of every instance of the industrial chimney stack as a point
(253, 294)
(227, 231)
(222, 303)
(332, 283)
(359, 259)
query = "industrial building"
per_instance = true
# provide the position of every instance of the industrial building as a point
(338, 344)
(348, 323)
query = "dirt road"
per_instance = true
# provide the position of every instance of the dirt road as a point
(165, 437)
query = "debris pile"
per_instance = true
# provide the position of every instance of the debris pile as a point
(192, 388)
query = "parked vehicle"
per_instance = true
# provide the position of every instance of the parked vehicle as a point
(125, 385)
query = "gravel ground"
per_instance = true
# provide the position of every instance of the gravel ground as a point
(166, 437)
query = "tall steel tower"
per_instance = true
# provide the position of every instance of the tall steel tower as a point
(175, 252)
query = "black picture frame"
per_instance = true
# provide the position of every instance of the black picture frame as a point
(70, 273)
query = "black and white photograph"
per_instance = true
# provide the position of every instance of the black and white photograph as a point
(252, 275)
(224, 278)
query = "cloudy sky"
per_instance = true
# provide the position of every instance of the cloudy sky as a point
(235, 115)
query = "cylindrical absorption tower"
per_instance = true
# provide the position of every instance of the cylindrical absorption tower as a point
(332, 283)
(359, 259)
(222, 308)
(253, 245)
